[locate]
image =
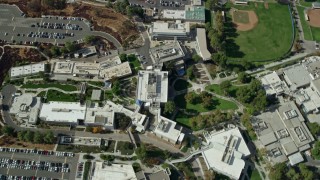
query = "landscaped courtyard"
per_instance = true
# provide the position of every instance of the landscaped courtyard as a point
(64, 87)
(270, 39)
(217, 103)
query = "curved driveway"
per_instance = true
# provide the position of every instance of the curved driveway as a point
(109, 37)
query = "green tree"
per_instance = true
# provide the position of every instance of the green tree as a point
(116, 89)
(191, 97)
(292, 174)
(190, 73)
(21, 135)
(38, 137)
(122, 121)
(141, 152)
(89, 39)
(225, 87)
(314, 128)
(305, 172)
(29, 136)
(315, 151)
(71, 47)
(123, 57)
(220, 58)
(196, 58)
(169, 107)
(8, 130)
(55, 51)
(243, 77)
(278, 171)
(49, 137)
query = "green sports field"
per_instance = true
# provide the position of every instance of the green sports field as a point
(269, 40)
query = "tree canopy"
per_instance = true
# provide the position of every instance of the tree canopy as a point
(169, 107)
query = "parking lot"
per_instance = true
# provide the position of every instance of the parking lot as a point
(49, 165)
(14, 27)
(161, 4)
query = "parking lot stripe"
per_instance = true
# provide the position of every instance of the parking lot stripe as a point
(37, 168)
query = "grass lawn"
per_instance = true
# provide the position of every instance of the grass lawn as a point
(126, 148)
(181, 85)
(183, 118)
(315, 33)
(307, 3)
(254, 175)
(197, 107)
(59, 96)
(79, 148)
(270, 39)
(134, 61)
(305, 25)
(87, 167)
(64, 87)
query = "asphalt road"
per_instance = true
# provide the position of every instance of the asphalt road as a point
(72, 161)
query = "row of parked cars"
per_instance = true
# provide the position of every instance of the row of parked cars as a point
(33, 165)
(10, 177)
(170, 3)
(35, 151)
(48, 25)
(79, 169)
(64, 18)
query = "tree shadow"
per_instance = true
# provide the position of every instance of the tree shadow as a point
(230, 31)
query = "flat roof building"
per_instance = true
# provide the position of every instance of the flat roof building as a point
(152, 86)
(296, 77)
(169, 30)
(202, 44)
(196, 3)
(282, 132)
(105, 171)
(106, 69)
(190, 14)
(168, 130)
(166, 52)
(86, 52)
(227, 152)
(63, 112)
(96, 95)
(26, 107)
(273, 85)
(26, 70)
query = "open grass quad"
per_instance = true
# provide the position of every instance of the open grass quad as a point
(270, 39)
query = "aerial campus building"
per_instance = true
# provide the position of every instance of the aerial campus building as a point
(202, 44)
(26, 108)
(169, 30)
(283, 133)
(167, 52)
(301, 82)
(90, 114)
(104, 70)
(152, 90)
(191, 14)
(26, 70)
(152, 86)
(227, 152)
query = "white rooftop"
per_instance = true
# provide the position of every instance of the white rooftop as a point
(106, 68)
(273, 84)
(296, 76)
(152, 86)
(202, 44)
(167, 52)
(174, 14)
(69, 112)
(99, 115)
(295, 158)
(227, 152)
(27, 70)
(167, 128)
(103, 171)
(170, 28)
